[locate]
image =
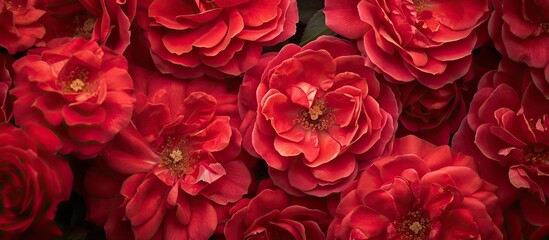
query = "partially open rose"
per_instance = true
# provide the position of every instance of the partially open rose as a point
(321, 116)
(33, 181)
(431, 114)
(104, 21)
(427, 40)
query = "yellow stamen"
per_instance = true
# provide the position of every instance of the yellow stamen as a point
(416, 227)
(77, 85)
(176, 155)
(317, 118)
(315, 112)
(419, 5)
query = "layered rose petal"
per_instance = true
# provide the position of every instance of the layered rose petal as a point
(34, 181)
(78, 89)
(104, 21)
(422, 192)
(6, 103)
(181, 159)
(215, 38)
(408, 40)
(20, 27)
(272, 214)
(319, 108)
(520, 31)
(506, 132)
(432, 114)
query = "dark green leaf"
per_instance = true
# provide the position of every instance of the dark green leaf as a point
(307, 8)
(316, 27)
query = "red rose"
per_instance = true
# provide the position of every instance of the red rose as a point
(5, 84)
(273, 214)
(433, 115)
(19, 26)
(436, 114)
(420, 192)
(506, 131)
(104, 21)
(33, 182)
(214, 37)
(430, 41)
(76, 88)
(321, 116)
(181, 157)
(520, 30)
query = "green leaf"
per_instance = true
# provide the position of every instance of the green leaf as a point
(316, 27)
(308, 8)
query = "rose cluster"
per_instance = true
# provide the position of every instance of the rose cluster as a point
(274, 119)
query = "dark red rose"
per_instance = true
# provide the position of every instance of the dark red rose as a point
(526, 225)
(104, 21)
(33, 181)
(273, 214)
(181, 156)
(321, 116)
(420, 192)
(506, 131)
(430, 41)
(520, 30)
(5, 84)
(433, 115)
(436, 114)
(218, 38)
(76, 88)
(19, 25)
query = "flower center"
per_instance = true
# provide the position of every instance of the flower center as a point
(536, 155)
(414, 226)
(176, 156)
(317, 118)
(77, 85)
(419, 5)
(84, 28)
(78, 81)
